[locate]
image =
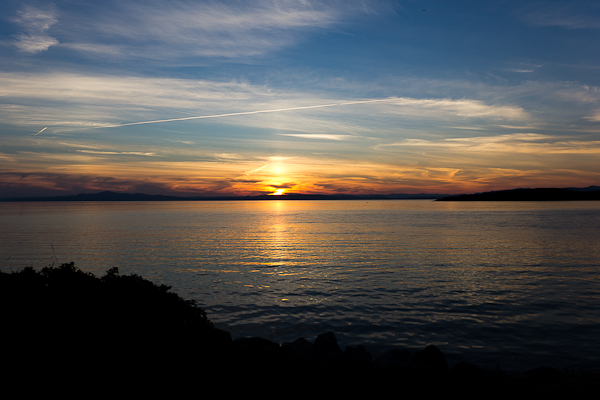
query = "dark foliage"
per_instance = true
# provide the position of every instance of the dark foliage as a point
(70, 300)
(63, 322)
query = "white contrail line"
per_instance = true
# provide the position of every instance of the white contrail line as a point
(248, 113)
(41, 131)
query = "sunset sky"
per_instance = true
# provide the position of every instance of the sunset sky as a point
(248, 97)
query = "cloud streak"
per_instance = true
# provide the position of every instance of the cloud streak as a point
(250, 112)
(41, 131)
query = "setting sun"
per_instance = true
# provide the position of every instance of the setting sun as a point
(278, 192)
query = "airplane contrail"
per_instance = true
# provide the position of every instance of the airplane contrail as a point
(247, 113)
(41, 131)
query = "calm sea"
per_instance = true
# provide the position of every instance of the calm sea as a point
(497, 283)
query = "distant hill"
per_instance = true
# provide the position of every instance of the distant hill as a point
(116, 196)
(541, 194)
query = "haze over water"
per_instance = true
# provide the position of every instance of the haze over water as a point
(512, 284)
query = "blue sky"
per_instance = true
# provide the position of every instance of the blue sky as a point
(304, 96)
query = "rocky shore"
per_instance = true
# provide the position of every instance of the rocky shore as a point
(66, 330)
(322, 365)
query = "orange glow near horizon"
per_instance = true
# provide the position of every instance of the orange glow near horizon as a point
(278, 175)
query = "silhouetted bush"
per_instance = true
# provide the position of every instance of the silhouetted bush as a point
(74, 296)
(67, 314)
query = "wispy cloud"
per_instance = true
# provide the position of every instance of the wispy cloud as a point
(571, 15)
(66, 99)
(188, 142)
(128, 153)
(100, 89)
(470, 142)
(317, 136)
(518, 127)
(466, 108)
(511, 143)
(227, 156)
(34, 22)
(520, 70)
(227, 29)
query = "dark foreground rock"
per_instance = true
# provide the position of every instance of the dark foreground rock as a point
(68, 332)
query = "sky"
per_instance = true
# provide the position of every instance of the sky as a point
(203, 98)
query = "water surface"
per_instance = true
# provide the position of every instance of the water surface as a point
(508, 283)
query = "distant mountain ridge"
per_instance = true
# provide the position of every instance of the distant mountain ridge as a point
(540, 194)
(116, 196)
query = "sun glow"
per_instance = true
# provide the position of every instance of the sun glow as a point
(278, 192)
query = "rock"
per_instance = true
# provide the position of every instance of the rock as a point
(357, 354)
(220, 338)
(431, 357)
(256, 344)
(396, 357)
(543, 374)
(301, 348)
(467, 369)
(327, 348)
